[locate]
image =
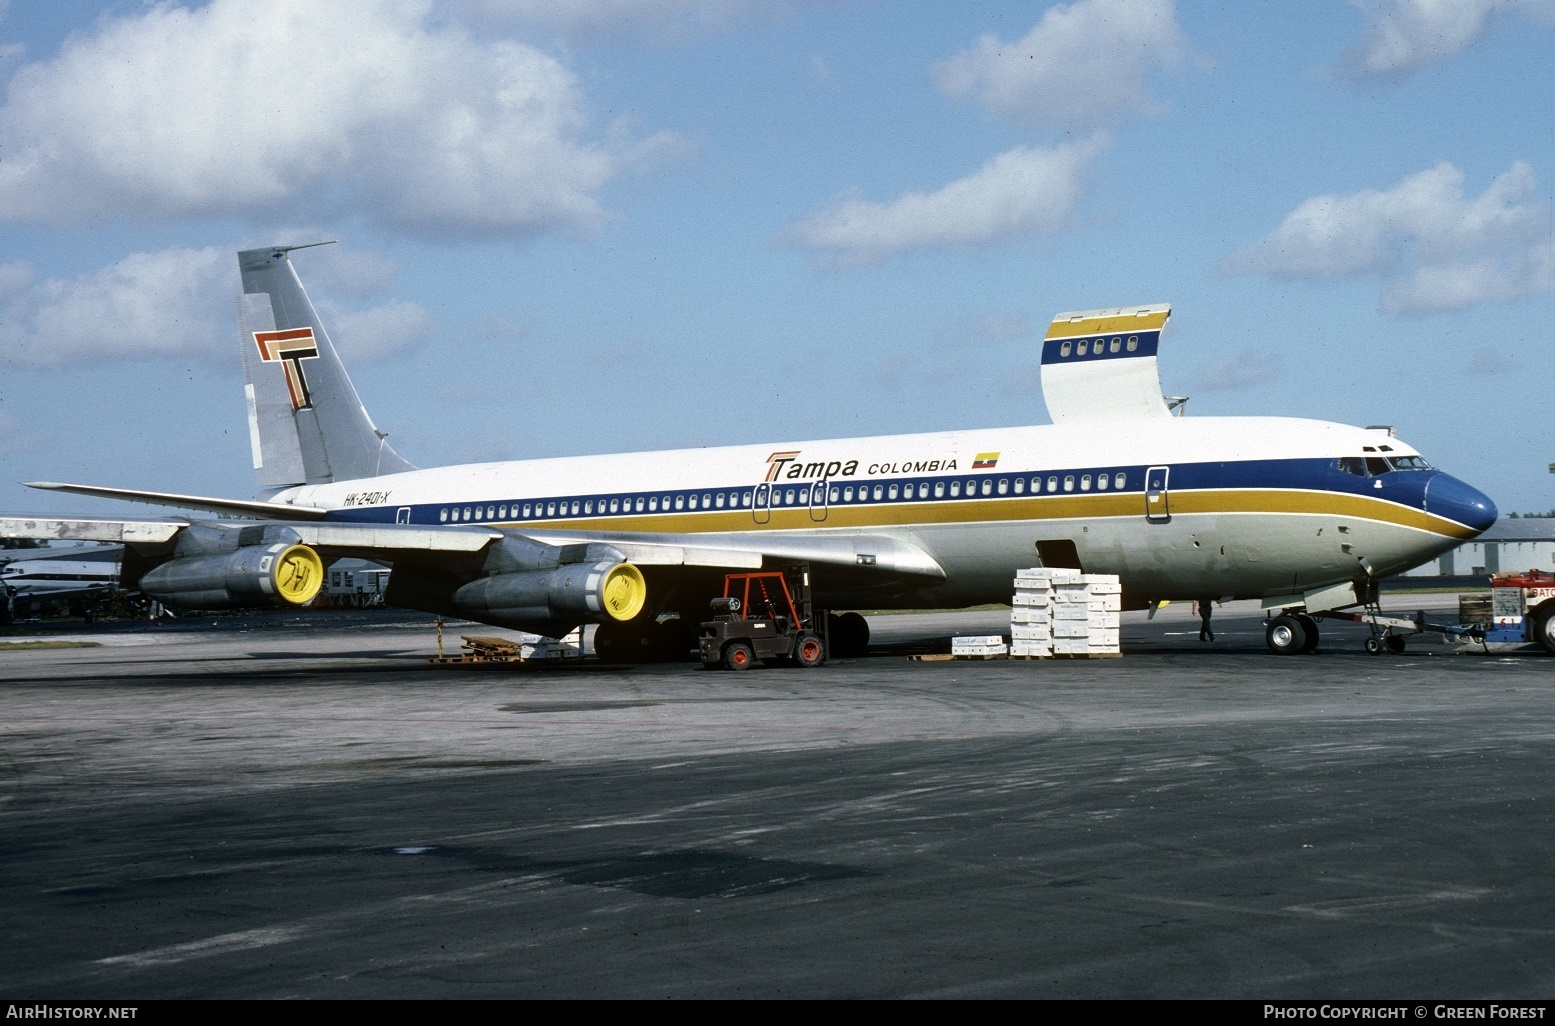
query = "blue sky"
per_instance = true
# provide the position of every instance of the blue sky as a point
(612, 225)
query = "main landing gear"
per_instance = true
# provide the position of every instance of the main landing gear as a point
(1291, 633)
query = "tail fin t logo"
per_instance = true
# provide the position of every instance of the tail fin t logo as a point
(290, 347)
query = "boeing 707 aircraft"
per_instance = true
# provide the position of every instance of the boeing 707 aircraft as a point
(1303, 515)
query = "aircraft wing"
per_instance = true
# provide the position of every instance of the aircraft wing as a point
(389, 542)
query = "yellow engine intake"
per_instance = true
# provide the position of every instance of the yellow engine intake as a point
(625, 591)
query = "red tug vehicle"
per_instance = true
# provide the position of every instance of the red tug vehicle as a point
(761, 617)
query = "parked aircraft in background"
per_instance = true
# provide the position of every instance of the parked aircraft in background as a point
(76, 575)
(1303, 515)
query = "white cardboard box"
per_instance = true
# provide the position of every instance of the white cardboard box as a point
(1030, 632)
(1029, 614)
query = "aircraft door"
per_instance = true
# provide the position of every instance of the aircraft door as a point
(818, 500)
(761, 506)
(1157, 504)
(402, 515)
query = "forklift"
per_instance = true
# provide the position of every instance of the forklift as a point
(761, 617)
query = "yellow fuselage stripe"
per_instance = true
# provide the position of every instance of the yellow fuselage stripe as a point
(1014, 509)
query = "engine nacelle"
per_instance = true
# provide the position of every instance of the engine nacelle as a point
(542, 600)
(257, 575)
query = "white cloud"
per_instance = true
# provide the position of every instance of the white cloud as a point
(594, 19)
(171, 303)
(259, 106)
(1246, 368)
(1083, 64)
(1407, 35)
(1438, 249)
(1024, 192)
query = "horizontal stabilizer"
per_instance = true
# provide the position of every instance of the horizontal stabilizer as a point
(1101, 365)
(245, 507)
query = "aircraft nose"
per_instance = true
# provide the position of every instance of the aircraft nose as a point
(1448, 497)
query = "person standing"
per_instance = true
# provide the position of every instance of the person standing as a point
(1206, 609)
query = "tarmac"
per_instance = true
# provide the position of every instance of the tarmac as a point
(302, 806)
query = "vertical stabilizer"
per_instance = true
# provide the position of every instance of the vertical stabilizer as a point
(306, 423)
(1101, 365)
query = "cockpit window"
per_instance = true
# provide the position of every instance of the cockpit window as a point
(1409, 463)
(1376, 465)
(1353, 465)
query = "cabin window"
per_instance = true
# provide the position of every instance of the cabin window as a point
(615, 505)
(653, 504)
(588, 506)
(1133, 343)
(1085, 482)
(1004, 485)
(955, 489)
(939, 489)
(467, 513)
(1068, 482)
(574, 507)
(502, 512)
(1063, 350)
(718, 500)
(987, 486)
(479, 513)
(1408, 463)
(1119, 480)
(745, 498)
(1052, 483)
(878, 492)
(891, 492)
(1117, 344)
(1376, 465)
(1020, 485)
(1101, 482)
(680, 502)
(1080, 348)
(907, 490)
(693, 504)
(923, 489)
(707, 501)
(491, 512)
(834, 493)
(847, 494)
(442, 516)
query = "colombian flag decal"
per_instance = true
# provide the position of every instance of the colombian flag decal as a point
(985, 461)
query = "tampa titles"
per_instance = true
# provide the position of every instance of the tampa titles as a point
(787, 466)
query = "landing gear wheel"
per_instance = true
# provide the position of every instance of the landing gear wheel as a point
(849, 635)
(1285, 635)
(809, 651)
(1395, 644)
(738, 656)
(1310, 626)
(613, 642)
(1544, 627)
(1373, 646)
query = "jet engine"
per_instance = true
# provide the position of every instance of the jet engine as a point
(280, 574)
(572, 593)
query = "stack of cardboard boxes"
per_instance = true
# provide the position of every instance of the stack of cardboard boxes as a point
(1059, 612)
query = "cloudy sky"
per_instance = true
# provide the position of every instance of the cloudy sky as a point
(606, 225)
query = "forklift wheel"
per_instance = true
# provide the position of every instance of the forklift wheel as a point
(809, 651)
(738, 656)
